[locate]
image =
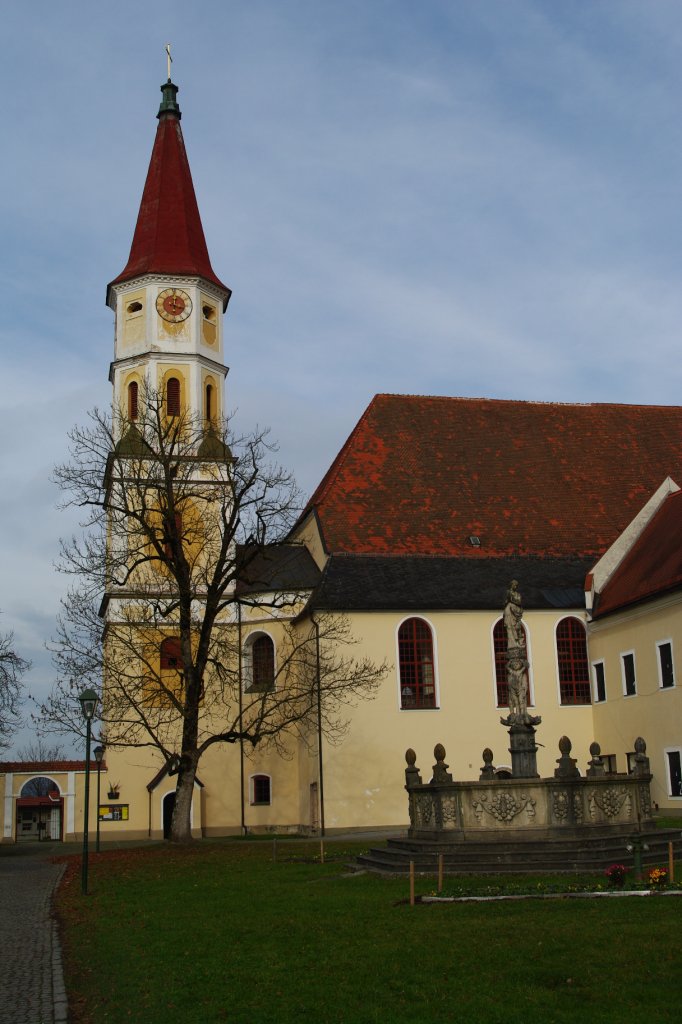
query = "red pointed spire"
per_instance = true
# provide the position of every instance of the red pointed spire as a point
(169, 237)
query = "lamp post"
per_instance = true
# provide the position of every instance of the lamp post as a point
(88, 703)
(99, 754)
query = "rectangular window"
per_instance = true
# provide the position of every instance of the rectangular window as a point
(666, 673)
(599, 681)
(609, 763)
(628, 670)
(674, 759)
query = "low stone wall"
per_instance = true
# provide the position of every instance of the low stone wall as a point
(528, 808)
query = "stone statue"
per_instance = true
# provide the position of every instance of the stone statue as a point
(517, 664)
(512, 615)
(520, 723)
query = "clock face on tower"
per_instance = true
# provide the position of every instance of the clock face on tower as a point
(173, 305)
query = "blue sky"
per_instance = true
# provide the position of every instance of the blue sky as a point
(460, 198)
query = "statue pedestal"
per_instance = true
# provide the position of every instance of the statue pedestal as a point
(522, 746)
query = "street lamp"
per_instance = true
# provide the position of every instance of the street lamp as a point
(88, 703)
(99, 754)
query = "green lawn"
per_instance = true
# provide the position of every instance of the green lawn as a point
(218, 932)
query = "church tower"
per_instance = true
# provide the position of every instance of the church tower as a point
(167, 484)
(168, 301)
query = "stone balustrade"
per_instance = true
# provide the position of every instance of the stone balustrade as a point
(503, 808)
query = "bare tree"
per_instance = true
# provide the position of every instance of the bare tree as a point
(184, 535)
(39, 750)
(12, 667)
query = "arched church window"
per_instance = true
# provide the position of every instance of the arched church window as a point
(170, 654)
(172, 396)
(260, 664)
(209, 402)
(132, 400)
(260, 789)
(574, 673)
(417, 674)
(500, 649)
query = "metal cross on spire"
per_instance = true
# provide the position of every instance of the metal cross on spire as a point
(169, 59)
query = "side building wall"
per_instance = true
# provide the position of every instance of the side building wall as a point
(654, 710)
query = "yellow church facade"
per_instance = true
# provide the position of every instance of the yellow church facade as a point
(430, 510)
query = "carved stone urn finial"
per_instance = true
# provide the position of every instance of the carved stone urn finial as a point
(596, 765)
(567, 768)
(440, 768)
(412, 776)
(488, 769)
(641, 764)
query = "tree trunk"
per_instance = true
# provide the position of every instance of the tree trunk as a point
(181, 829)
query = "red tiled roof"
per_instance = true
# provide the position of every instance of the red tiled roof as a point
(169, 237)
(48, 766)
(653, 565)
(422, 475)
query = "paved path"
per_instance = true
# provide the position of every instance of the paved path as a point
(31, 981)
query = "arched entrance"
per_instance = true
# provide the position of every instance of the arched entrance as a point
(39, 811)
(168, 808)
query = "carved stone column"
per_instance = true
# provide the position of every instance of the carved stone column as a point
(523, 750)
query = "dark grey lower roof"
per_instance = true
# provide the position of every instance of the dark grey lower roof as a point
(379, 582)
(282, 567)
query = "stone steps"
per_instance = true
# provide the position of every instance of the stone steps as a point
(593, 853)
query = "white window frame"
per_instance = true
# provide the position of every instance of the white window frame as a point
(252, 801)
(529, 656)
(436, 674)
(596, 699)
(666, 751)
(247, 660)
(623, 656)
(662, 643)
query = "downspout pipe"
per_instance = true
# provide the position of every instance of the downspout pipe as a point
(320, 766)
(241, 708)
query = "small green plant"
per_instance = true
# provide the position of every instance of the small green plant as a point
(615, 875)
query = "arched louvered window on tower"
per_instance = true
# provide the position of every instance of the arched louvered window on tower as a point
(170, 654)
(132, 400)
(210, 411)
(500, 648)
(417, 671)
(168, 532)
(574, 672)
(172, 396)
(171, 675)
